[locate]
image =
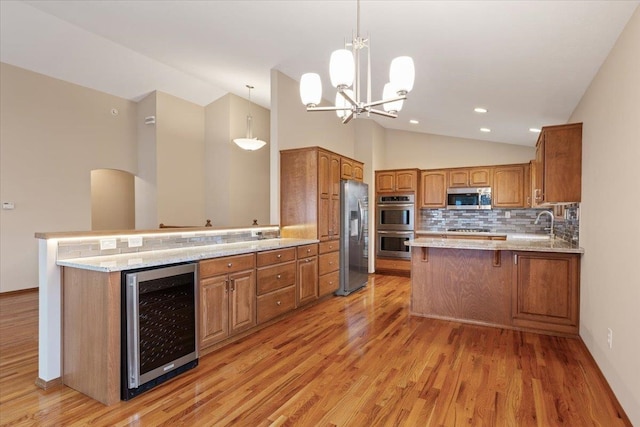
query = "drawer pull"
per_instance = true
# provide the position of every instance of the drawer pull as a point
(278, 276)
(279, 256)
(308, 250)
(229, 265)
(278, 303)
(307, 260)
(330, 262)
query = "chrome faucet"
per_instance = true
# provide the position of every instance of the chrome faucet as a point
(552, 219)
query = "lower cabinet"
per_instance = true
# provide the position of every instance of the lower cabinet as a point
(227, 297)
(276, 283)
(329, 267)
(545, 291)
(393, 266)
(307, 279)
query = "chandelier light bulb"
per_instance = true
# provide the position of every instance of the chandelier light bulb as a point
(390, 92)
(342, 68)
(402, 74)
(310, 89)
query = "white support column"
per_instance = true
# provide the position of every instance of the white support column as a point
(50, 314)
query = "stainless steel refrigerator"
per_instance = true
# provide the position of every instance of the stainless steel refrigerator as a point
(354, 236)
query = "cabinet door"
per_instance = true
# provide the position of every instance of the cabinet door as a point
(480, 177)
(562, 164)
(214, 310)
(538, 176)
(459, 178)
(508, 187)
(334, 202)
(385, 182)
(406, 180)
(434, 189)
(346, 169)
(242, 301)
(358, 171)
(545, 293)
(307, 286)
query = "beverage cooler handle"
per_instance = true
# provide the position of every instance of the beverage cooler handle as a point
(133, 324)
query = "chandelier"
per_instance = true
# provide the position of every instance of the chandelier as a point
(249, 143)
(345, 70)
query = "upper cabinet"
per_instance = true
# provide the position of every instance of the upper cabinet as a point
(351, 169)
(470, 177)
(558, 165)
(433, 189)
(509, 186)
(397, 181)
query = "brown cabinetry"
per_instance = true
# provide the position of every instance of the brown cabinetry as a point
(508, 187)
(276, 279)
(558, 165)
(307, 278)
(397, 181)
(328, 267)
(545, 291)
(433, 189)
(351, 169)
(470, 177)
(227, 297)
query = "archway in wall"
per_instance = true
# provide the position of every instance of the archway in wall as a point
(112, 200)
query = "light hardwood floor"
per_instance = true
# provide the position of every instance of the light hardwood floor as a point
(359, 360)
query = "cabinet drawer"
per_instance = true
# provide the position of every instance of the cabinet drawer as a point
(276, 277)
(393, 264)
(275, 256)
(276, 303)
(329, 262)
(230, 264)
(329, 246)
(307, 250)
(329, 283)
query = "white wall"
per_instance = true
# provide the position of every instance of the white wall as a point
(609, 226)
(52, 135)
(112, 200)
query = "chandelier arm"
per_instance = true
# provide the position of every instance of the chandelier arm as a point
(384, 101)
(346, 96)
(382, 113)
(329, 108)
(348, 118)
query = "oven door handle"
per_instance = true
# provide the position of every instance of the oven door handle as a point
(396, 232)
(133, 335)
(395, 205)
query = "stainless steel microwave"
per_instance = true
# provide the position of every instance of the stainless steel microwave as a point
(469, 198)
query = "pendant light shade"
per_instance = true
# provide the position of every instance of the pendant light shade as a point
(310, 89)
(388, 93)
(402, 74)
(249, 143)
(342, 68)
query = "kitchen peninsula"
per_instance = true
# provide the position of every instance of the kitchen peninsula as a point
(517, 283)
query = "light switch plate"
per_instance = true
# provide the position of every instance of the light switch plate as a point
(107, 244)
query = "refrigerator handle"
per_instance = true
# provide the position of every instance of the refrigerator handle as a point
(361, 220)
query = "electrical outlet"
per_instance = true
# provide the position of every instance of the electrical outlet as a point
(107, 244)
(135, 241)
(610, 337)
(507, 214)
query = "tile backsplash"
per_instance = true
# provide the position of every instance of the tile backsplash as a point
(520, 221)
(89, 247)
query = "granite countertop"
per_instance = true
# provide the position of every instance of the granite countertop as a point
(516, 243)
(130, 261)
(459, 233)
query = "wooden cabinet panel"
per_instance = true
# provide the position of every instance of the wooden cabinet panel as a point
(358, 171)
(276, 303)
(433, 187)
(545, 291)
(307, 284)
(328, 262)
(274, 257)
(558, 175)
(329, 283)
(276, 277)
(388, 264)
(346, 168)
(329, 246)
(480, 177)
(406, 180)
(385, 182)
(307, 250)
(230, 264)
(242, 301)
(459, 178)
(508, 187)
(397, 181)
(214, 309)
(324, 173)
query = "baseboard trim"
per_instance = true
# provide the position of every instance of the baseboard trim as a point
(621, 413)
(48, 385)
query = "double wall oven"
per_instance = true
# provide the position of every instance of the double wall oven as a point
(395, 224)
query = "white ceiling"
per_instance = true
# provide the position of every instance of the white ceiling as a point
(528, 62)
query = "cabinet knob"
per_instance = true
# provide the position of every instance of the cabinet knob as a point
(330, 262)
(279, 256)
(229, 265)
(278, 276)
(308, 250)
(278, 303)
(307, 260)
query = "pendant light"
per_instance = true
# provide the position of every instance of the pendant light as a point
(249, 143)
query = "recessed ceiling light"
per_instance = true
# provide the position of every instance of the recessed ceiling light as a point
(536, 130)
(480, 110)
(485, 130)
(414, 121)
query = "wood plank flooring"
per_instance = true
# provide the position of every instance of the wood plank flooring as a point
(349, 361)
